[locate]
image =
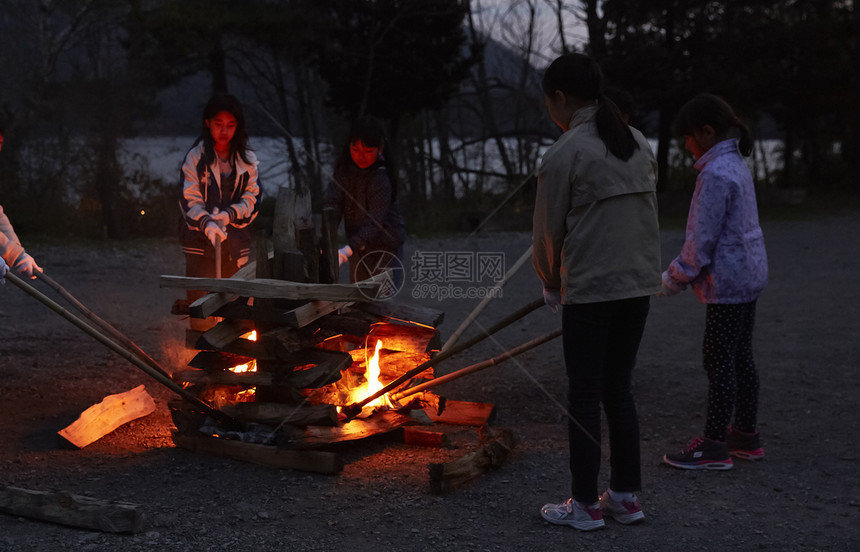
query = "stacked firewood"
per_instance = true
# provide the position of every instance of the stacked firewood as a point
(287, 350)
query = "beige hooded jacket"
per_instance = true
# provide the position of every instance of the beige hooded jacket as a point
(595, 230)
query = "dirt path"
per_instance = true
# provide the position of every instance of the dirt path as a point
(804, 496)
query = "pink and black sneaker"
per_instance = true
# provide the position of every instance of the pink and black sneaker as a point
(701, 454)
(744, 445)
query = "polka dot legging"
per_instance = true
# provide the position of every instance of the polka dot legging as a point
(732, 377)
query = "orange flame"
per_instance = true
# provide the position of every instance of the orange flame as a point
(371, 386)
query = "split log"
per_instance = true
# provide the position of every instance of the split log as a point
(405, 337)
(278, 413)
(225, 334)
(71, 509)
(298, 316)
(405, 312)
(263, 455)
(279, 289)
(463, 413)
(113, 411)
(457, 473)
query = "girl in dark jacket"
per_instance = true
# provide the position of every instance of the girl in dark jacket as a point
(364, 191)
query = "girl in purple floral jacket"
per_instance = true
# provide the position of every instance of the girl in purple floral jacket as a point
(724, 260)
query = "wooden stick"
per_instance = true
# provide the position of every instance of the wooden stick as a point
(101, 324)
(118, 349)
(486, 301)
(477, 367)
(70, 509)
(353, 409)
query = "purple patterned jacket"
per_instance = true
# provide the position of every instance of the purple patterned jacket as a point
(723, 257)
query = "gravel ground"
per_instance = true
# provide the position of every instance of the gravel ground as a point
(803, 496)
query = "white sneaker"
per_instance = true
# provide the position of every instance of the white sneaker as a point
(626, 511)
(584, 518)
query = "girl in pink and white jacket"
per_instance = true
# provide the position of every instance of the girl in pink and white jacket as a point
(220, 193)
(12, 253)
(724, 260)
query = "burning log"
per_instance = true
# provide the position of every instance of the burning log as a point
(354, 409)
(113, 411)
(71, 509)
(457, 473)
(401, 337)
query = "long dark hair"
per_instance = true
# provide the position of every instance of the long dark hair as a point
(579, 76)
(371, 132)
(239, 143)
(710, 109)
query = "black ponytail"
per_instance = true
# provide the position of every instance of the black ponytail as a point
(712, 110)
(579, 76)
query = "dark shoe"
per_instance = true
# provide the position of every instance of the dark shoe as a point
(701, 454)
(744, 445)
(584, 518)
(626, 511)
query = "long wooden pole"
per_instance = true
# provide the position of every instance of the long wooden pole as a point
(354, 409)
(120, 350)
(100, 323)
(477, 367)
(486, 300)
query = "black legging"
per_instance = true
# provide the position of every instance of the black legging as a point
(728, 361)
(600, 345)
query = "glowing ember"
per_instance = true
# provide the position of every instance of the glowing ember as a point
(248, 366)
(248, 394)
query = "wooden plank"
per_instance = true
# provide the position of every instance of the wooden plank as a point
(463, 413)
(71, 509)
(263, 455)
(113, 411)
(279, 289)
(403, 311)
(457, 473)
(353, 322)
(278, 413)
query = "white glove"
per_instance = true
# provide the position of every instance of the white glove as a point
(222, 218)
(3, 268)
(214, 233)
(25, 265)
(669, 287)
(552, 298)
(343, 254)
